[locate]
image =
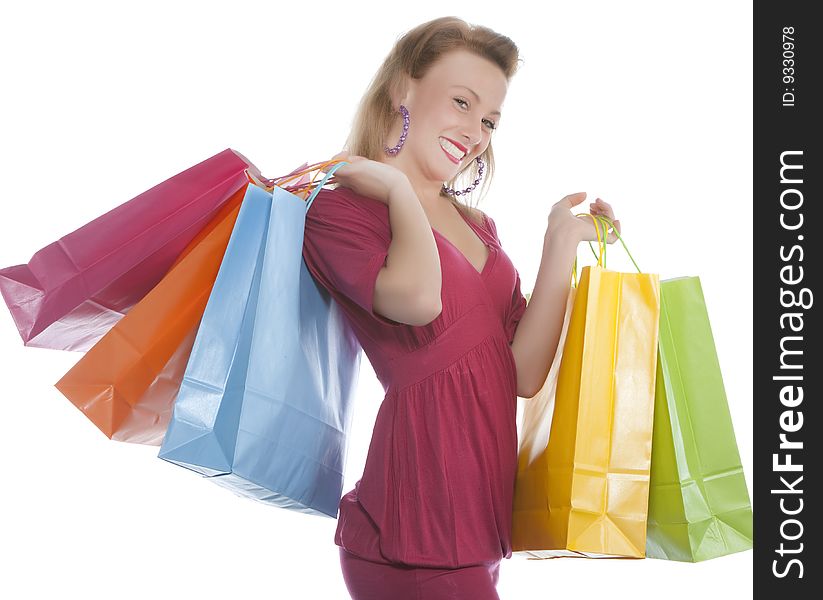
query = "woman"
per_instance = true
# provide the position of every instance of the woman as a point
(436, 304)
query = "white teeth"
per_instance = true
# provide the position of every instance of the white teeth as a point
(452, 149)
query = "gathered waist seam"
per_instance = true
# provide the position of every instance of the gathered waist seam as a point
(449, 346)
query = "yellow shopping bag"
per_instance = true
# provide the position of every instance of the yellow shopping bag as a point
(582, 484)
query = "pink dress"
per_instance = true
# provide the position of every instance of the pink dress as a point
(438, 483)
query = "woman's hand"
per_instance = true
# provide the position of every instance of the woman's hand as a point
(367, 177)
(563, 223)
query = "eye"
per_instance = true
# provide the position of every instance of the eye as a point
(490, 124)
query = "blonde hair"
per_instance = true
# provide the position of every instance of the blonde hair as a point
(412, 55)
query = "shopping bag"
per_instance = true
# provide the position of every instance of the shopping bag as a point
(265, 404)
(126, 383)
(74, 290)
(699, 506)
(584, 490)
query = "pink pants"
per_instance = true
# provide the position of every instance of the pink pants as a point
(368, 580)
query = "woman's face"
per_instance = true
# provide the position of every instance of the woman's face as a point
(460, 99)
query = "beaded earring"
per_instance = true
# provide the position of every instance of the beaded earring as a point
(394, 150)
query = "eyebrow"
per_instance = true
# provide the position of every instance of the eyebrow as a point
(496, 112)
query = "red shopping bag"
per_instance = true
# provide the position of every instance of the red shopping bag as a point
(74, 290)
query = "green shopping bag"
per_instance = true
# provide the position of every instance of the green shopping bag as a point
(699, 505)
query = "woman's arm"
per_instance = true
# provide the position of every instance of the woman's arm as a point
(537, 334)
(408, 288)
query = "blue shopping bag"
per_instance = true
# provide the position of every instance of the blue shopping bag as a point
(264, 408)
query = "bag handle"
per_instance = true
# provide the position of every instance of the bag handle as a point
(323, 182)
(300, 173)
(601, 257)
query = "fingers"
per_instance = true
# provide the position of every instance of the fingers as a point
(598, 208)
(342, 156)
(613, 236)
(609, 231)
(336, 157)
(574, 199)
(602, 208)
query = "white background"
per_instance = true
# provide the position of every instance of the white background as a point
(645, 104)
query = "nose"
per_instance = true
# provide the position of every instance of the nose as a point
(470, 140)
(471, 144)
(471, 135)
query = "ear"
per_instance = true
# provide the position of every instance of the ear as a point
(402, 92)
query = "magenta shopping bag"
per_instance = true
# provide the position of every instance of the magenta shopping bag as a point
(74, 290)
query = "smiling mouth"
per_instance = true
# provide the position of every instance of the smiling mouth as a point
(452, 151)
(452, 158)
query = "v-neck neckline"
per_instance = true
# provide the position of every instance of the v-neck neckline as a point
(472, 226)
